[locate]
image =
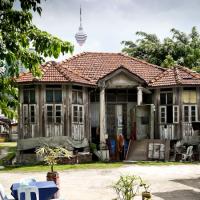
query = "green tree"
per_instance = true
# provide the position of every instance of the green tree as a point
(181, 48)
(18, 35)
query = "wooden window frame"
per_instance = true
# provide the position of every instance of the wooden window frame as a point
(165, 108)
(53, 90)
(77, 92)
(54, 116)
(29, 90)
(166, 98)
(189, 91)
(190, 113)
(174, 111)
(27, 113)
(78, 115)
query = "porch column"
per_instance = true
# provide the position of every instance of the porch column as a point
(139, 95)
(102, 115)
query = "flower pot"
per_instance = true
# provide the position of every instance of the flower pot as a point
(53, 176)
(146, 195)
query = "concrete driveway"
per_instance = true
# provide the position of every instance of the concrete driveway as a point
(180, 182)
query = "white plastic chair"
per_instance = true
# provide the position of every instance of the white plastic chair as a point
(188, 154)
(3, 196)
(27, 190)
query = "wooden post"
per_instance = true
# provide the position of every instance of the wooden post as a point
(20, 114)
(102, 115)
(139, 96)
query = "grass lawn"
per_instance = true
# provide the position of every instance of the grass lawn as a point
(96, 165)
(41, 168)
(7, 144)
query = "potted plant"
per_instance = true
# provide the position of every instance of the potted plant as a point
(127, 187)
(50, 156)
(146, 194)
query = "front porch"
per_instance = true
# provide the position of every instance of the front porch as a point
(121, 107)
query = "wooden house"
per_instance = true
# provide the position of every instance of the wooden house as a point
(100, 95)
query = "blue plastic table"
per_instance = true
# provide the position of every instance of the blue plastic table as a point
(47, 189)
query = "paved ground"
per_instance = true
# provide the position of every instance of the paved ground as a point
(167, 182)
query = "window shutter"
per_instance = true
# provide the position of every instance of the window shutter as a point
(32, 113)
(163, 114)
(175, 114)
(58, 113)
(49, 113)
(81, 114)
(25, 114)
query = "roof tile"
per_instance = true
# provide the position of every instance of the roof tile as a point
(176, 75)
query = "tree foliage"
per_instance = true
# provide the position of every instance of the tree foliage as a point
(181, 48)
(50, 155)
(18, 35)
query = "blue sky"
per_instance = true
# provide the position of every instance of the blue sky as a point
(108, 22)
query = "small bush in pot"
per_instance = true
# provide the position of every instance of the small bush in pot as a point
(146, 194)
(127, 187)
(50, 156)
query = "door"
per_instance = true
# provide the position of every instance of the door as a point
(116, 120)
(78, 122)
(144, 122)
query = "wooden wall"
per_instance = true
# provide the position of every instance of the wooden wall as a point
(41, 128)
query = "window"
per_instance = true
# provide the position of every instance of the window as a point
(175, 114)
(29, 96)
(190, 113)
(189, 96)
(50, 113)
(29, 111)
(166, 110)
(77, 114)
(32, 113)
(53, 94)
(58, 113)
(77, 97)
(167, 115)
(163, 114)
(166, 98)
(54, 114)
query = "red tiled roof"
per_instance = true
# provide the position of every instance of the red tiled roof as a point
(54, 72)
(176, 75)
(89, 67)
(94, 66)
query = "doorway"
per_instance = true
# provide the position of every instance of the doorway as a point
(116, 129)
(116, 120)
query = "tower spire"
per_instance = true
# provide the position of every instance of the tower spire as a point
(80, 17)
(80, 35)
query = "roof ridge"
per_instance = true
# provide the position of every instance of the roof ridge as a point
(59, 69)
(73, 57)
(177, 75)
(76, 73)
(46, 65)
(73, 72)
(142, 61)
(112, 53)
(189, 71)
(160, 75)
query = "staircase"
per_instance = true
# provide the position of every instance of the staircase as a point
(137, 150)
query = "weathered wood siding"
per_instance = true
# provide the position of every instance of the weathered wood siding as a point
(180, 130)
(43, 129)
